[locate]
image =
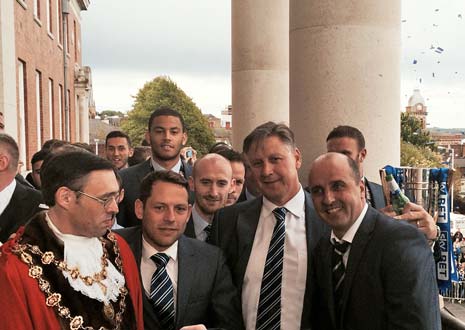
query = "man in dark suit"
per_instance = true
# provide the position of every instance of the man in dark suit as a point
(167, 135)
(350, 141)
(371, 272)
(18, 202)
(283, 221)
(211, 182)
(195, 271)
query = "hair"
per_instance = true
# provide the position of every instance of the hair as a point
(166, 111)
(118, 134)
(162, 176)
(53, 143)
(231, 155)
(139, 155)
(219, 146)
(69, 169)
(343, 131)
(84, 145)
(355, 170)
(39, 155)
(11, 148)
(266, 130)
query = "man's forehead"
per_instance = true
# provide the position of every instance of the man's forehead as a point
(166, 122)
(117, 141)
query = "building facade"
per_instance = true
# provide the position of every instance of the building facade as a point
(45, 92)
(417, 108)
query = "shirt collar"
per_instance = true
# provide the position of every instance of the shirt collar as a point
(350, 234)
(148, 250)
(6, 194)
(296, 205)
(157, 167)
(199, 223)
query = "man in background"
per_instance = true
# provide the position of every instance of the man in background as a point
(118, 149)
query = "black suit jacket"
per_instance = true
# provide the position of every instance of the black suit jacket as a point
(190, 229)
(390, 279)
(132, 177)
(23, 205)
(205, 293)
(378, 201)
(234, 230)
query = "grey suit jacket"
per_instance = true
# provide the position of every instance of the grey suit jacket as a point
(234, 230)
(390, 279)
(205, 293)
(23, 205)
(132, 177)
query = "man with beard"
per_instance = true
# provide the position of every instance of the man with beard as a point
(65, 269)
(238, 173)
(167, 134)
(118, 149)
(211, 182)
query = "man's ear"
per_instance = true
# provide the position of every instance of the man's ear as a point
(363, 154)
(184, 138)
(131, 151)
(147, 137)
(65, 197)
(4, 162)
(139, 209)
(191, 183)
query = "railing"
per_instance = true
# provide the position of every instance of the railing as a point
(456, 294)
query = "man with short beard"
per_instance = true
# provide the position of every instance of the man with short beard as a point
(167, 134)
(211, 182)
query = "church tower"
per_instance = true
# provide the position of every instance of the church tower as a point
(417, 108)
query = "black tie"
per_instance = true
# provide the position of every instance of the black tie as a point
(161, 292)
(269, 304)
(338, 270)
(208, 230)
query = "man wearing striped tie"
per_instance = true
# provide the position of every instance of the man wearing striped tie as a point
(371, 272)
(268, 240)
(186, 282)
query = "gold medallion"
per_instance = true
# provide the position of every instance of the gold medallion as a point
(109, 311)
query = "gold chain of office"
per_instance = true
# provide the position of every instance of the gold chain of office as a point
(53, 299)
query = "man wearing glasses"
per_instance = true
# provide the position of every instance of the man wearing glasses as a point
(65, 268)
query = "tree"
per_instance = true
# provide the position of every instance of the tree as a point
(412, 132)
(110, 113)
(162, 91)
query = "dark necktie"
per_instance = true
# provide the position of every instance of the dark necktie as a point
(208, 230)
(161, 292)
(338, 270)
(269, 304)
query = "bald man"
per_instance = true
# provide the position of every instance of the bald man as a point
(211, 182)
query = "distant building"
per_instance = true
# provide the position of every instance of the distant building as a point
(417, 108)
(226, 117)
(213, 121)
(45, 92)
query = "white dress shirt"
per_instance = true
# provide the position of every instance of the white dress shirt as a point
(350, 234)
(294, 263)
(6, 194)
(199, 225)
(157, 167)
(148, 266)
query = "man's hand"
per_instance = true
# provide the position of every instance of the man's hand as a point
(416, 215)
(194, 327)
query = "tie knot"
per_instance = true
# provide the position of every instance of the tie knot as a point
(280, 213)
(160, 259)
(208, 229)
(341, 248)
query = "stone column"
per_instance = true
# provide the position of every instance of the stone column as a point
(345, 69)
(83, 118)
(260, 64)
(8, 68)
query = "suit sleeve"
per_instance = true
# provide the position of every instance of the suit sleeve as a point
(411, 294)
(225, 307)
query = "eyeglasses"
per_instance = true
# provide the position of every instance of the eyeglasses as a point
(106, 202)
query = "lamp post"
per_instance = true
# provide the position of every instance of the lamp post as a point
(96, 146)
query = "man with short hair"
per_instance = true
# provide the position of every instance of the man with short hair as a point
(18, 202)
(268, 241)
(118, 149)
(238, 173)
(371, 272)
(65, 269)
(349, 141)
(197, 285)
(211, 182)
(36, 162)
(167, 135)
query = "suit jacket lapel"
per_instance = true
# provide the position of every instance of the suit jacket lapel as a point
(247, 223)
(190, 229)
(186, 276)
(357, 248)
(145, 169)
(327, 277)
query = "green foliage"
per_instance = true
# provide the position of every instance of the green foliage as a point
(411, 132)
(411, 155)
(110, 113)
(159, 92)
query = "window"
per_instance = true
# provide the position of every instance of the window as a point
(22, 110)
(37, 9)
(49, 16)
(39, 108)
(50, 108)
(59, 22)
(60, 111)
(75, 42)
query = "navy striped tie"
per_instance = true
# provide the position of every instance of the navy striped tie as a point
(208, 230)
(161, 292)
(269, 304)
(338, 270)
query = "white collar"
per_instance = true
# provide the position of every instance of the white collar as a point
(6, 194)
(295, 205)
(157, 167)
(148, 250)
(350, 234)
(199, 222)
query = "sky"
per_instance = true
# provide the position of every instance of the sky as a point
(129, 43)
